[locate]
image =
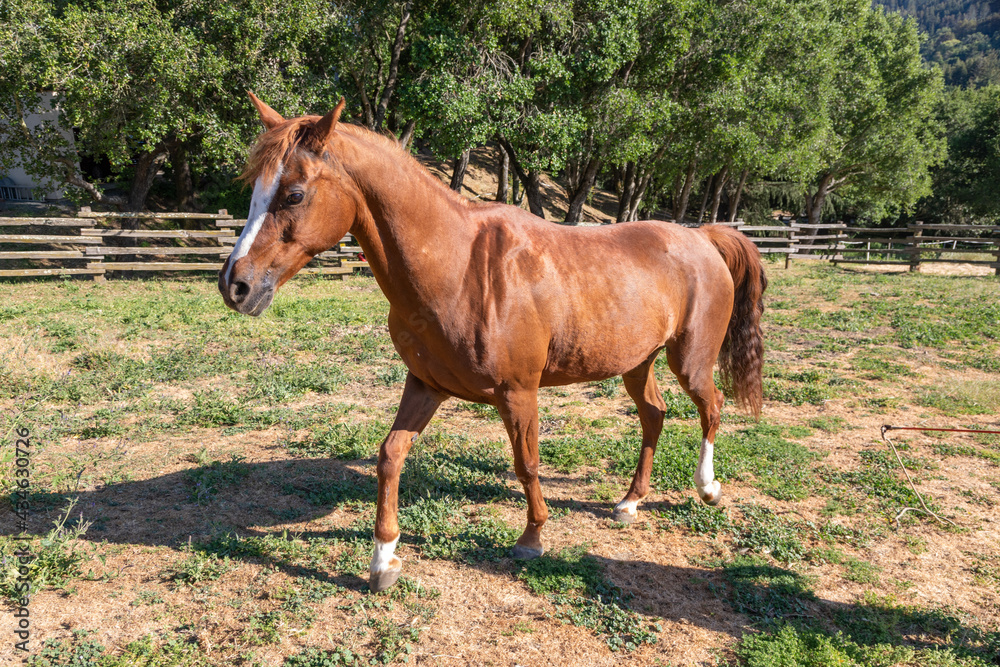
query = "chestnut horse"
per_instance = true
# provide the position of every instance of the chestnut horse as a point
(488, 302)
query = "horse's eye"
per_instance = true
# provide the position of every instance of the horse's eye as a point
(294, 198)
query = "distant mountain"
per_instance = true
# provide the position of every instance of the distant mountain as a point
(963, 37)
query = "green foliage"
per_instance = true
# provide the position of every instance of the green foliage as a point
(313, 657)
(198, 568)
(697, 517)
(345, 440)
(575, 582)
(54, 562)
(79, 651)
(206, 481)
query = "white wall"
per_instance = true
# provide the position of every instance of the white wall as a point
(44, 189)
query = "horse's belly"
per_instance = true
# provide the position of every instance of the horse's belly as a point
(597, 355)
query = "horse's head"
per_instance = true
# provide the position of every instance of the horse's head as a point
(302, 205)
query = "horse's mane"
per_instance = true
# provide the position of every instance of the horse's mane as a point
(274, 145)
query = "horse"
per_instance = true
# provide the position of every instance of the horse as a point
(488, 303)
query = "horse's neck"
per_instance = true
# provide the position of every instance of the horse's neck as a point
(413, 233)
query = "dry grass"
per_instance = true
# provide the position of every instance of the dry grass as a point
(219, 522)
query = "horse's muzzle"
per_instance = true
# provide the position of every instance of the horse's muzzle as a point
(244, 294)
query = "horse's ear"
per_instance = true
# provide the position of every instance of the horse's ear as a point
(268, 116)
(326, 124)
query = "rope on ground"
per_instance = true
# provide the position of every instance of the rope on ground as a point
(885, 429)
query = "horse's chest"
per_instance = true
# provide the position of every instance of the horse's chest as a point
(440, 362)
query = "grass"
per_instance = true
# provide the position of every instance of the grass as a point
(574, 582)
(122, 381)
(55, 559)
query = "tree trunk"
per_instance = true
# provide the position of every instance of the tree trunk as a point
(628, 188)
(704, 200)
(183, 185)
(458, 173)
(532, 181)
(579, 196)
(366, 106)
(643, 183)
(145, 171)
(407, 136)
(739, 193)
(639, 193)
(720, 185)
(814, 203)
(680, 207)
(390, 82)
(503, 174)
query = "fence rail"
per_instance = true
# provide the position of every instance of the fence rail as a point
(88, 244)
(95, 242)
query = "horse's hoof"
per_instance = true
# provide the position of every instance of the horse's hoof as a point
(526, 553)
(711, 494)
(621, 516)
(379, 581)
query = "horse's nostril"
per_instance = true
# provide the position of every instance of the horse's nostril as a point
(238, 291)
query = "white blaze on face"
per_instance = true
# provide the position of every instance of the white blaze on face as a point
(263, 193)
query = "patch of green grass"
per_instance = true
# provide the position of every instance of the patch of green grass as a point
(861, 572)
(827, 424)
(609, 388)
(697, 517)
(198, 568)
(679, 406)
(473, 473)
(65, 335)
(964, 398)
(314, 657)
(763, 532)
(348, 440)
(323, 492)
(762, 591)
(280, 548)
(54, 559)
(876, 365)
(796, 646)
(877, 479)
(214, 408)
(393, 375)
(277, 383)
(206, 481)
(574, 581)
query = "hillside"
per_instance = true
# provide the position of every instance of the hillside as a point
(963, 37)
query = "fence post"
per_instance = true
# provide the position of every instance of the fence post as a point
(791, 244)
(996, 255)
(914, 243)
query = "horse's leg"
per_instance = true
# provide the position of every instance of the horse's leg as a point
(519, 410)
(693, 364)
(640, 383)
(416, 407)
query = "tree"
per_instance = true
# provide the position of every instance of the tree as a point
(882, 135)
(141, 82)
(965, 185)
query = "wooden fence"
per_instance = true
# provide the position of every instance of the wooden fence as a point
(910, 246)
(93, 243)
(88, 245)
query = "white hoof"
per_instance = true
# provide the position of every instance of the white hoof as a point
(625, 511)
(711, 493)
(385, 567)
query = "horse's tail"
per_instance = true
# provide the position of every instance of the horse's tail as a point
(741, 358)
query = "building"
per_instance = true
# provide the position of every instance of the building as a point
(15, 183)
